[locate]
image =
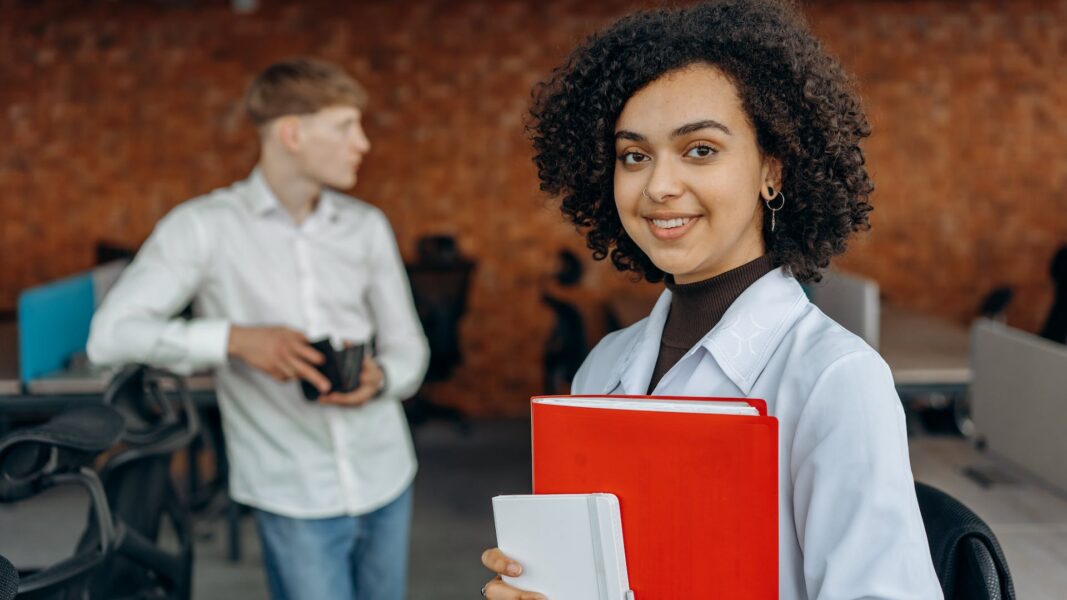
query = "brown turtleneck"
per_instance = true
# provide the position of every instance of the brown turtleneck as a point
(697, 307)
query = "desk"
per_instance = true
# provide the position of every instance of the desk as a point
(63, 389)
(925, 353)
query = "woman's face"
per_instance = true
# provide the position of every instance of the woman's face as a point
(689, 175)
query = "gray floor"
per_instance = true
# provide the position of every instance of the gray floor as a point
(452, 522)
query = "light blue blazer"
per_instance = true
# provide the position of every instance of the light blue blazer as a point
(849, 523)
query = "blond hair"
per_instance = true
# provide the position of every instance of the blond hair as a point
(299, 86)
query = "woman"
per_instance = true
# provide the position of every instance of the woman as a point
(716, 148)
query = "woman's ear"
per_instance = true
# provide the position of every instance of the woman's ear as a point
(772, 178)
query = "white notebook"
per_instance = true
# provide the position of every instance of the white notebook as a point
(570, 545)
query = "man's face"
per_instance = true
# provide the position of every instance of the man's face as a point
(332, 145)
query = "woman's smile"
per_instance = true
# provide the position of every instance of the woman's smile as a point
(668, 228)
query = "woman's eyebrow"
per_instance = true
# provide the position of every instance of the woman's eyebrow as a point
(698, 125)
(686, 129)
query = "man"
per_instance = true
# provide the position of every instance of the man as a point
(270, 263)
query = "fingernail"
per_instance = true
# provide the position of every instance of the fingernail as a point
(514, 569)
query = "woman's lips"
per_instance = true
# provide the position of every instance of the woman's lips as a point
(670, 229)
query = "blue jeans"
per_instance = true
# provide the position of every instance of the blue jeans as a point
(356, 558)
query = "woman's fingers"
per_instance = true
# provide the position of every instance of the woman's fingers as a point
(498, 590)
(498, 562)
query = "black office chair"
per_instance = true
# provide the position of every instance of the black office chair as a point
(967, 558)
(58, 453)
(440, 283)
(9, 579)
(1055, 327)
(160, 420)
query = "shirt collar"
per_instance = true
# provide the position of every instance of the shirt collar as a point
(261, 199)
(741, 343)
(753, 327)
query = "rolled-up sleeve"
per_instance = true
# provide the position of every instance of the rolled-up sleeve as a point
(854, 502)
(136, 321)
(403, 351)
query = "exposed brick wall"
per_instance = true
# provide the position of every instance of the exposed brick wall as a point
(112, 113)
(969, 105)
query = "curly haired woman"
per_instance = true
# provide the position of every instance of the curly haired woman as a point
(716, 148)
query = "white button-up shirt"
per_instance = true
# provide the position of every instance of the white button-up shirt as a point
(849, 523)
(242, 260)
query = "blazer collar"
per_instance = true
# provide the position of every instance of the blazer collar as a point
(741, 343)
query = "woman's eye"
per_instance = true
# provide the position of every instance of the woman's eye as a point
(701, 151)
(633, 158)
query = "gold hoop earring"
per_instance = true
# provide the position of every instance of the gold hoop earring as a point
(773, 209)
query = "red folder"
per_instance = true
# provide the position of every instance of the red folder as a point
(698, 492)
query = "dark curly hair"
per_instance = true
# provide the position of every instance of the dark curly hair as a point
(798, 99)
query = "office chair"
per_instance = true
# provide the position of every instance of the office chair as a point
(967, 558)
(58, 453)
(9, 579)
(1055, 327)
(440, 283)
(160, 419)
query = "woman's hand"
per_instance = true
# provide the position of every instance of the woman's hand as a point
(497, 562)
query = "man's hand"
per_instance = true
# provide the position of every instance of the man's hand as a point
(371, 380)
(280, 352)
